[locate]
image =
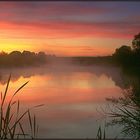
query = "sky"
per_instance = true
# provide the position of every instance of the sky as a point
(68, 28)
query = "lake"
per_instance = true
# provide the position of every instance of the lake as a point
(74, 97)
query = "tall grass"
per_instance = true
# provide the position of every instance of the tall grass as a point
(126, 112)
(11, 126)
(101, 134)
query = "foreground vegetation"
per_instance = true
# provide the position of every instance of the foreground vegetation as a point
(11, 117)
(126, 112)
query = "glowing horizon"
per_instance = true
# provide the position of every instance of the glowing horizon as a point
(68, 28)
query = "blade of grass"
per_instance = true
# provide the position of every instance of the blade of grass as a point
(4, 96)
(34, 126)
(19, 90)
(22, 130)
(30, 121)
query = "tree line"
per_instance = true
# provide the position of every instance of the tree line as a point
(25, 58)
(124, 56)
(128, 55)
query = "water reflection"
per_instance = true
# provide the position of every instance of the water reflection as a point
(126, 110)
(71, 95)
(111, 72)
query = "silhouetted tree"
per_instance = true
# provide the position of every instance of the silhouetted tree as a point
(41, 57)
(136, 42)
(136, 49)
(2, 53)
(123, 55)
(123, 50)
(26, 58)
(14, 58)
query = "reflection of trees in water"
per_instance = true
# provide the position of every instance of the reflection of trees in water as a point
(20, 72)
(126, 110)
(111, 72)
(116, 74)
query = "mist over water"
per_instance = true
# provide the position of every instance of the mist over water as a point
(112, 72)
(74, 96)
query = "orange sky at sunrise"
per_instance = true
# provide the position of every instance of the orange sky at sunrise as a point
(67, 28)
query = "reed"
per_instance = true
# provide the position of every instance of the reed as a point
(11, 126)
(126, 113)
(101, 134)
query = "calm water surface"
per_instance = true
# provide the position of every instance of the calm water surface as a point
(74, 97)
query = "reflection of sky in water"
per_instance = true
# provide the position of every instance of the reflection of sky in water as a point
(73, 101)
